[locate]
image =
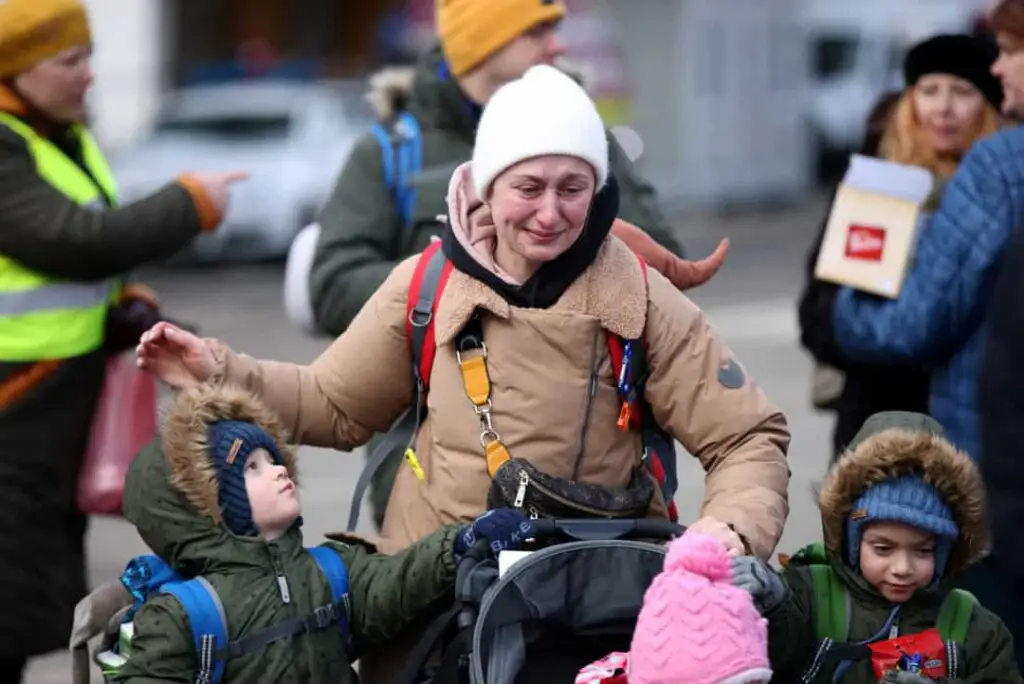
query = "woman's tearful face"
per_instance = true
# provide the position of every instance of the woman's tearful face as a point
(539, 208)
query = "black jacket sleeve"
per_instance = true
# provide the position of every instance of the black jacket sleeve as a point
(46, 231)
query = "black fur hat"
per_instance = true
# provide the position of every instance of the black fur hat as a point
(961, 55)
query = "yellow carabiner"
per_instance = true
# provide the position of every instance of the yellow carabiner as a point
(414, 463)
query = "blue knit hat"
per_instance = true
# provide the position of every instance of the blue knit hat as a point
(908, 500)
(229, 443)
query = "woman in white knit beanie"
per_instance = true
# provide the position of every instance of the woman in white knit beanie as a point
(550, 352)
(541, 154)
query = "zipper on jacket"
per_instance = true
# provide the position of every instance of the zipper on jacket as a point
(282, 581)
(524, 482)
(591, 393)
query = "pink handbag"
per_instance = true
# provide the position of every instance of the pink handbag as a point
(125, 421)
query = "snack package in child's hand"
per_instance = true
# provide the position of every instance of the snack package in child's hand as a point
(611, 669)
(110, 663)
(124, 642)
(922, 654)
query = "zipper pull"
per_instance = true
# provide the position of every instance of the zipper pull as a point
(282, 586)
(524, 482)
(625, 416)
(282, 581)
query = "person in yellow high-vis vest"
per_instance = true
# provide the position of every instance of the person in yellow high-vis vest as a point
(65, 247)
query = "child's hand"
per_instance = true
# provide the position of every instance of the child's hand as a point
(764, 584)
(503, 529)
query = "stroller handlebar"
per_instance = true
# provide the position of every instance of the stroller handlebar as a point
(606, 529)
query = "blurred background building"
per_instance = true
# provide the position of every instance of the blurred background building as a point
(725, 102)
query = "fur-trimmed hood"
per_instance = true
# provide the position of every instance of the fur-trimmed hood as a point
(171, 492)
(389, 91)
(896, 452)
(185, 440)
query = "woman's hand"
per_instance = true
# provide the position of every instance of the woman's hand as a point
(178, 358)
(722, 532)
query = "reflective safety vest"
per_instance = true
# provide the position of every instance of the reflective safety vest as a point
(42, 317)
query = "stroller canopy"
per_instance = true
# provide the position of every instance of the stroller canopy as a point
(560, 609)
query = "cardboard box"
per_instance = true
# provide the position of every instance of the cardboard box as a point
(872, 228)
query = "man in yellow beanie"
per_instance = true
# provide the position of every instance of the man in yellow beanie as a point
(65, 307)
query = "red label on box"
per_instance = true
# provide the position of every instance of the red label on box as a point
(865, 243)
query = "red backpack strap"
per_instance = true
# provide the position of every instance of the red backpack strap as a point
(629, 358)
(428, 281)
(629, 416)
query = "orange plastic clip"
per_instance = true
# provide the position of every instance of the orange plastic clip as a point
(624, 416)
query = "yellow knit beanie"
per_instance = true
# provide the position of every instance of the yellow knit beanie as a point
(34, 30)
(473, 30)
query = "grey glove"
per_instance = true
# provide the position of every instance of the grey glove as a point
(764, 584)
(96, 614)
(899, 677)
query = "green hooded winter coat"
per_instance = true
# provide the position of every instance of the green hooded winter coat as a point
(886, 449)
(171, 497)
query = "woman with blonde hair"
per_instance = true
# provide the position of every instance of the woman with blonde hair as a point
(950, 101)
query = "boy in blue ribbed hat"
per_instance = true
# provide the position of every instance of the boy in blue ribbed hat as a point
(903, 512)
(254, 504)
(217, 499)
(900, 513)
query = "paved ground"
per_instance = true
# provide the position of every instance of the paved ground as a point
(751, 302)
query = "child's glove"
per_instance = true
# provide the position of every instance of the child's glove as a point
(502, 529)
(894, 677)
(764, 584)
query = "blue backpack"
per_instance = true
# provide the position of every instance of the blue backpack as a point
(402, 156)
(146, 576)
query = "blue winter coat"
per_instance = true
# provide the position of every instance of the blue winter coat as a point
(938, 319)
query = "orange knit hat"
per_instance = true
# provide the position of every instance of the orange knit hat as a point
(34, 30)
(473, 30)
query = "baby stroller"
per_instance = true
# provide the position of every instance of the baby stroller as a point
(553, 612)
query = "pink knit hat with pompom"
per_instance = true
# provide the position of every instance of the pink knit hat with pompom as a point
(695, 627)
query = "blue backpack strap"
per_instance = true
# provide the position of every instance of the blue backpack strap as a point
(336, 573)
(410, 161)
(402, 157)
(209, 626)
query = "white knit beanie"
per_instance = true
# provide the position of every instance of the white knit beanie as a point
(544, 112)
